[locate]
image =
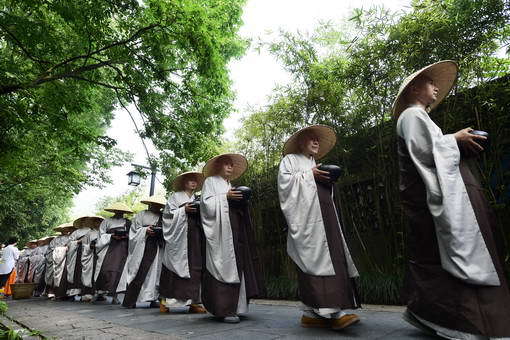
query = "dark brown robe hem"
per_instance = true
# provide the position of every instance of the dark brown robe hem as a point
(432, 293)
(149, 256)
(113, 264)
(339, 290)
(219, 298)
(172, 285)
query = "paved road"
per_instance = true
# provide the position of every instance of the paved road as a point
(266, 320)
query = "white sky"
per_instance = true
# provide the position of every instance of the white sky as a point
(254, 76)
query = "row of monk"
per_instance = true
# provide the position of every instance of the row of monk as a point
(200, 252)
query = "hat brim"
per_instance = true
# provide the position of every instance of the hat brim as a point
(88, 222)
(443, 74)
(118, 210)
(325, 134)
(239, 161)
(118, 207)
(179, 181)
(154, 200)
(64, 226)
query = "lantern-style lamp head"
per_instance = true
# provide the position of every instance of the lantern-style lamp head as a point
(133, 178)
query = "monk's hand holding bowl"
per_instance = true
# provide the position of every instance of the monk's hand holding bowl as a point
(320, 175)
(467, 141)
(150, 231)
(189, 208)
(234, 195)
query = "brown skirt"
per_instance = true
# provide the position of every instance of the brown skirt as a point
(61, 290)
(149, 255)
(172, 285)
(337, 291)
(435, 295)
(113, 265)
(219, 298)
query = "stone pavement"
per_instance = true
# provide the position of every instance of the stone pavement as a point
(266, 320)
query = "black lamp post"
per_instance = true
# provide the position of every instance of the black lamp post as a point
(134, 177)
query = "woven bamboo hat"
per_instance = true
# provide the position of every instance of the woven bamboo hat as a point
(63, 226)
(88, 222)
(46, 238)
(118, 206)
(239, 161)
(180, 181)
(444, 75)
(325, 134)
(154, 199)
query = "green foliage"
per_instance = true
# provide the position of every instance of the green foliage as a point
(346, 76)
(10, 334)
(380, 288)
(281, 288)
(64, 68)
(131, 199)
(3, 307)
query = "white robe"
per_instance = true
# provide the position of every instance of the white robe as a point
(48, 258)
(32, 264)
(72, 253)
(22, 265)
(307, 244)
(220, 259)
(87, 258)
(103, 240)
(137, 237)
(462, 249)
(175, 232)
(38, 260)
(59, 257)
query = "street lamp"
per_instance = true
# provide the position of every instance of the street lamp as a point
(134, 177)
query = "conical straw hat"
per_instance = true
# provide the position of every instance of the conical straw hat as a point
(118, 206)
(88, 222)
(239, 161)
(325, 134)
(63, 226)
(179, 181)
(444, 75)
(45, 238)
(154, 199)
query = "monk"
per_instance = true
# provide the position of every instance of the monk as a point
(456, 288)
(58, 251)
(143, 264)
(39, 264)
(112, 250)
(183, 259)
(88, 256)
(73, 258)
(232, 275)
(315, 241)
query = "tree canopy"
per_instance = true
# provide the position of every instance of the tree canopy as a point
(64, 68)
(347, 75)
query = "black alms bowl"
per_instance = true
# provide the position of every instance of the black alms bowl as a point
(196, 203)
(158, 231)
(245, 191)
(334, 171)
(120, 232)
(483, 143)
